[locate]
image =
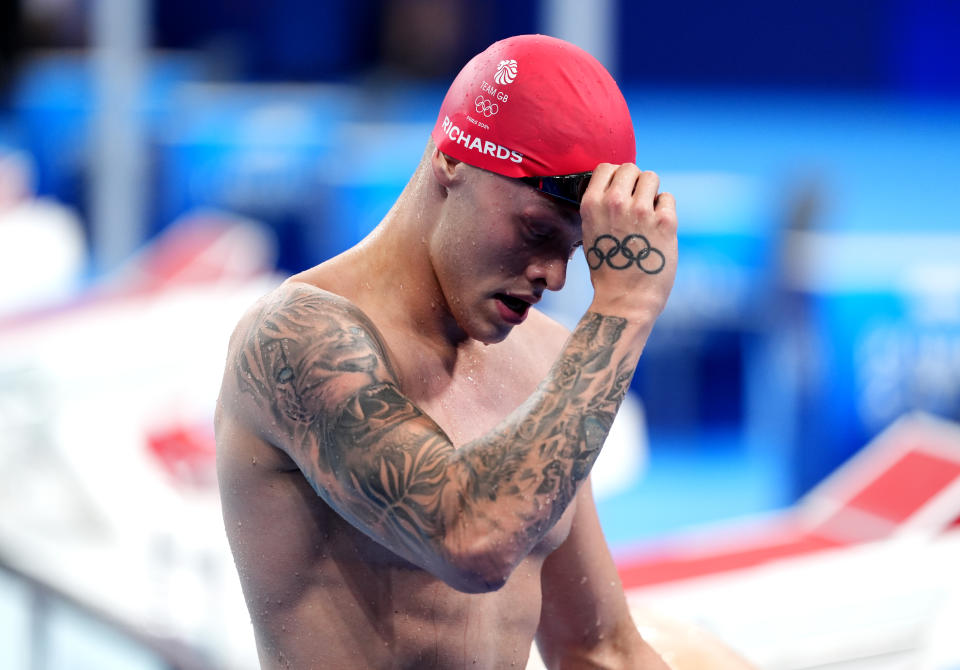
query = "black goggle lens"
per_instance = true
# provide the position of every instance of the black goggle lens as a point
(569, 187)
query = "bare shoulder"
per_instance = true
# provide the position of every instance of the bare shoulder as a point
(544, 337)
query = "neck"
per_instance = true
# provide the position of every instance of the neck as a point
(395, 270)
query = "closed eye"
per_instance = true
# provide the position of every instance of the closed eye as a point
(538, 236)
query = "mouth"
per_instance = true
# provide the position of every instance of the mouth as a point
(516, 305)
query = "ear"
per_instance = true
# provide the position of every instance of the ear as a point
(444, 168)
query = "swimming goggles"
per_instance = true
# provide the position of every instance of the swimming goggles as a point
(568, 187)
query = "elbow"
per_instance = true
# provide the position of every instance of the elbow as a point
(477, 549)
(473, 580)
(476, 583)
(479, 567)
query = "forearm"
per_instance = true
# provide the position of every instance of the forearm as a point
(628, 652)
(471, 514)
(518, 480)
(323, 389)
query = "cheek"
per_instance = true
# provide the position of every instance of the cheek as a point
(493, 259)
(474, 251)
(452, 253)
(455, 263)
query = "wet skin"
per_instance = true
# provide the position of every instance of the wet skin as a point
(301, 562)
(403, 446)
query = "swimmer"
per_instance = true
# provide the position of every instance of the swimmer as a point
(405, 441)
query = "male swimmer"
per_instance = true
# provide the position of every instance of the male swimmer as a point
(405, 442)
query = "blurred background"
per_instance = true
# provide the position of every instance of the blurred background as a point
(164, 163)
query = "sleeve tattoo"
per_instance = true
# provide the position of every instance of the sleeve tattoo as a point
(317, 369)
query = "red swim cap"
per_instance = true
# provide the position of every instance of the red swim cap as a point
(535, 106)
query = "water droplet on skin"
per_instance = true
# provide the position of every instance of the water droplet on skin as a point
(253, 461)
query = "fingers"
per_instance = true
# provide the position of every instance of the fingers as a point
(665, 203)
(599, 181)
(648, 183)
(624, 182)
(630, 241)
(626, 187)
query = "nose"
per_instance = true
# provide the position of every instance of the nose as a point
(548, 272)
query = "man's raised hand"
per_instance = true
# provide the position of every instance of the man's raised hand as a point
(630, 241)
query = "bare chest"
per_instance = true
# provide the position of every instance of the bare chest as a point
(472, 399)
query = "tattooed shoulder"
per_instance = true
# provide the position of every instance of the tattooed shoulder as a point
(303, 351)
(319, 386)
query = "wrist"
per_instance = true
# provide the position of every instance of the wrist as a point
(639, 318)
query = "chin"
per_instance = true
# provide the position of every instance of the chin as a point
(495, 339)
(481, 326)
(490, 334)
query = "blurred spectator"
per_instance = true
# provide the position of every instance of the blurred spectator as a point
(304, 40)
(433, 39)
(54, 23)
(425, 38)
(36, 24)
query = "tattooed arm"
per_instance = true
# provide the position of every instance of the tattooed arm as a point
(309, 372)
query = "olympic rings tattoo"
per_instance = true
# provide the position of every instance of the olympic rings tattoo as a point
(622, 250)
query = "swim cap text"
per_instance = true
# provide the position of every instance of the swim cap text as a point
(475, 143)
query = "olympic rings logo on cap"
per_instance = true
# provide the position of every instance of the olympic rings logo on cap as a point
(597, 256)
(486, 107)
(506, 72)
